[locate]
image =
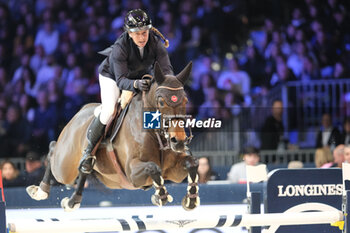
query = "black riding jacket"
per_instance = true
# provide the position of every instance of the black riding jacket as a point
(124, 62)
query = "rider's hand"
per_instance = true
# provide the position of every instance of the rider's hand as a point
(142, 84)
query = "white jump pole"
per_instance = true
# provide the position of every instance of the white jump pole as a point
(180, 222)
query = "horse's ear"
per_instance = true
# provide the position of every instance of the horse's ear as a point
(158, 73)
(185, 73)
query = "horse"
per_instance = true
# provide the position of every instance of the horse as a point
(136, 158)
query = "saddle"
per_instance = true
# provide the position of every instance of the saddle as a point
(112, 129)
(120, 111)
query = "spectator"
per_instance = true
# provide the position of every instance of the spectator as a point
(232, 103)
(237, 173)
(328, 135)
(44, 123)
(45, 74)
(201, 66)
(345, 134)
(190, 35)
(295, 165)
(272, 130)
(254, 65)
(48, 37)
(211, 106)
(38, 58)
(94, 37)
(2, 123)
(207, 81)
(28, 79)
(34, 171)
(74, 93)
(171, 31)
(279, 41)
(323, 156)
(88, 58)
(62, 53)
(26, 103)
(347, 153)
(270, 62)
(4, 85)
(310, 70)
(18, 131)
(338, 157)
(210, 16)
(205, 171)
(282, 75)
(340, 71)
(295, 60)
(76, 87)
(22, 37)
(10, 174)
(325, 53)
(54, 93)
(19, 71)
(298, 19)
(234, 79)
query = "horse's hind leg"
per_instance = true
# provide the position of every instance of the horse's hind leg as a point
(140, 173)
(42, 191)
(72, 203)
(191, 200)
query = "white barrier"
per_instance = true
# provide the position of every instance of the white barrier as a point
(150, 223)
(198, 219)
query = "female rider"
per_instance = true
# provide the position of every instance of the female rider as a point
(128, 59)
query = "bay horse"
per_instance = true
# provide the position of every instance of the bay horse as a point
(136, 158)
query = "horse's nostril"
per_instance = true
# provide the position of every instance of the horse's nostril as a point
(173, 140)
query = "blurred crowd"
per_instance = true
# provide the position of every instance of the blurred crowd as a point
(240, 50)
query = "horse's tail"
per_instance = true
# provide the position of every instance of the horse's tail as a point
(51, 148)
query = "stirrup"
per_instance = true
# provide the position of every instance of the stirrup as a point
(86, 166)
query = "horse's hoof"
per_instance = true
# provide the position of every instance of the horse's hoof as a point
(36, 193)
(66, 207)
(190, 203)
(156, 200)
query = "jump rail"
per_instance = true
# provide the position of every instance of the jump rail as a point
(189, 220)
(137, 223)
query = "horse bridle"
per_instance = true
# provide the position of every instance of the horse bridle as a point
(164, 132)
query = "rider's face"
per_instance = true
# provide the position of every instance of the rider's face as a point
(140, 38)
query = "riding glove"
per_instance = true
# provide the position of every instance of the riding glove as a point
(142, 85)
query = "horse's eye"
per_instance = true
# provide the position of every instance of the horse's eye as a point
(161, 102)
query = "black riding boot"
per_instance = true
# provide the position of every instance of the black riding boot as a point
(94, 134)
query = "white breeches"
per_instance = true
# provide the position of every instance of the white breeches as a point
(109, 97)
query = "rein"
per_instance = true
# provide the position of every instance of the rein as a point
(157, 132)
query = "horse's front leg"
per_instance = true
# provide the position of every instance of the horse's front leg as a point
(141, 172)
(191, 200)
(73, 203)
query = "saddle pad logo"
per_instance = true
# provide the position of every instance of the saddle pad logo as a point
(174, 98)
(151, 120)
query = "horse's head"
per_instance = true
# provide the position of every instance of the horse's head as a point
(170, 99)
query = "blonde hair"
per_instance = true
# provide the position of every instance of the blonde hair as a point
(166, 41)
(323, 156)
(295, 164)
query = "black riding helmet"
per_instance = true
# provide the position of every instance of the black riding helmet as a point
(137, 20)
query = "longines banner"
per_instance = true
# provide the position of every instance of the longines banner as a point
(299, 190)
